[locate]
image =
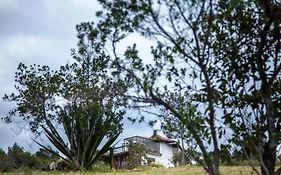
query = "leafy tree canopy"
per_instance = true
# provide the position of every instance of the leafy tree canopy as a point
(81, 100)
(222, 55)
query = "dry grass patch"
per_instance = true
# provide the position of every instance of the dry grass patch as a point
(188, 170)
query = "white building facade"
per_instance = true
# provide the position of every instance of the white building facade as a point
(159, 150)
(166, 155)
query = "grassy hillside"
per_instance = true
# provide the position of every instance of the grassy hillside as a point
(189, 170)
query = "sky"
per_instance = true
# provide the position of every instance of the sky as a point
(41, 32)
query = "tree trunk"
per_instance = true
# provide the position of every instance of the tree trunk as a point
(269, 148)
(210, 99)
(183, 161)
(269, 159)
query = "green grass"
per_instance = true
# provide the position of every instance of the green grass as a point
(188, 170)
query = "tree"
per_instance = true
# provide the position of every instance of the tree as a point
(183, 55)
(15, 153)
(5, 162)
(45, 157)
(20, 158)
(81, 100)
(137, 154)
(231, 49)
(191, 157)
(176, 128)
(45, 154)
(247, 45)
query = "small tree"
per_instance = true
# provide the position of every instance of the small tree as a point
(45, 154)
(15, 153)
(191, 156)
(177, 128)
(45, 157)
(137, 154)
(21, 158)
(5, 162)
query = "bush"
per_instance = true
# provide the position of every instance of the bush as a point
(27, 170)
(137, 153)
(156, 165)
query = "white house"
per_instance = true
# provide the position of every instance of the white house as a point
(158, 149)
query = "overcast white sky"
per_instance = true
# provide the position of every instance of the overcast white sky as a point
(40, 32)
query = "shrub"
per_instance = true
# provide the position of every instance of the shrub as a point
(156, 165)
(137, 153)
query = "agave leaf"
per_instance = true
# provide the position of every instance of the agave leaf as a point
(68, 130)
(53, 130)
(92, 146)
(89, 146)
(78, 134)
(52, 151)
(58, 144)
(111, 155)
(105, 148)
(93, 150)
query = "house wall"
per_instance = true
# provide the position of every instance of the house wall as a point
(166, 155)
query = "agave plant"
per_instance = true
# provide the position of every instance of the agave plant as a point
(90, 115)
(85, 127)
(88, 111)
(83, 100)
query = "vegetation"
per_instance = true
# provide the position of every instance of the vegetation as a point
(80, 100)
(188, 170)
(5, 162)
(18, 159)
(176, 128)
(45, 154)
(137, 155)
(223, 56)
(251, 99)
(190, 157)
(155, 165)
(216, 71)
